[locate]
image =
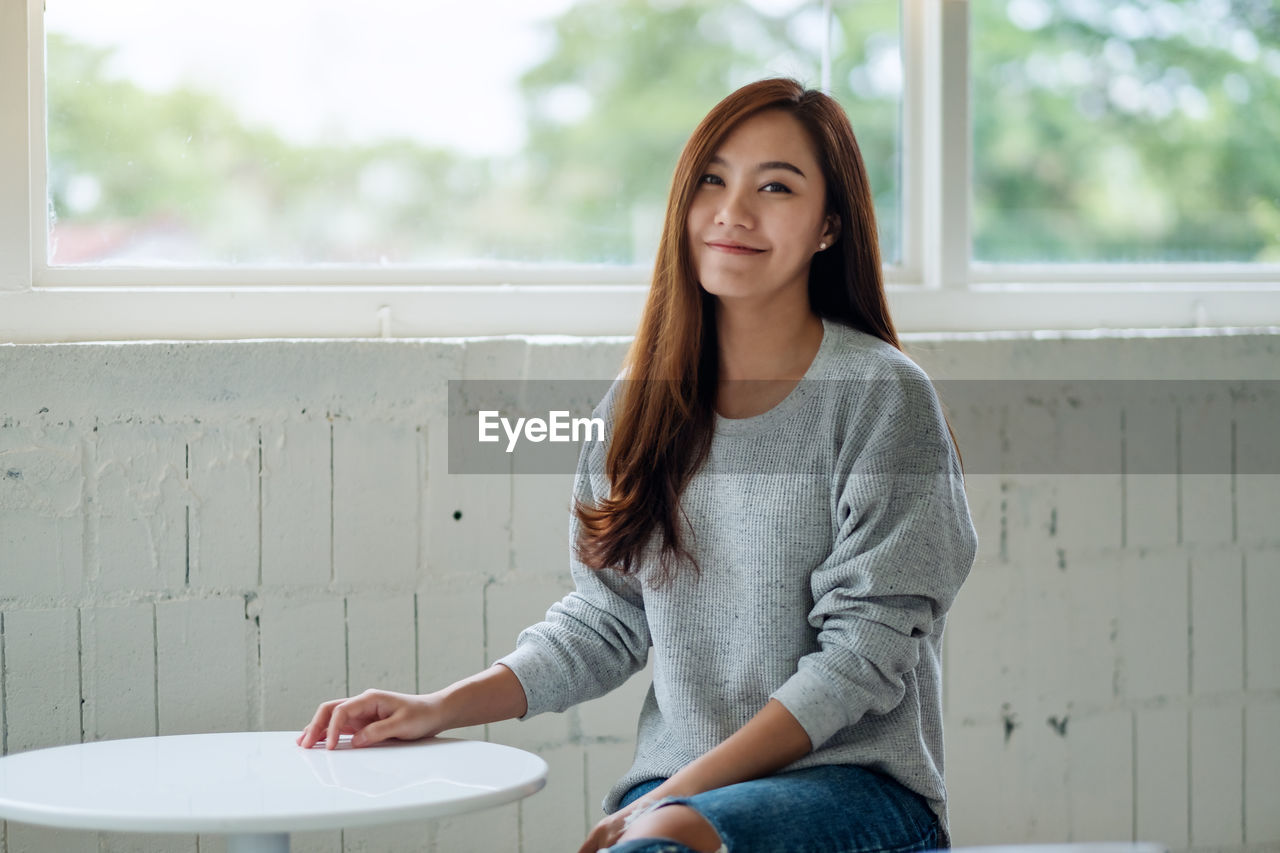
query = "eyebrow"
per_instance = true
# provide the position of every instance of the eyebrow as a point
(763, 167)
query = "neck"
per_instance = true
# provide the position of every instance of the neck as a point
(777, 343)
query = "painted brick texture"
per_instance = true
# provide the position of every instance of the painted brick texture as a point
(228, 555)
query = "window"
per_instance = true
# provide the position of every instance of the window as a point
(415, 133)
(1126, 132)
(1021, 152)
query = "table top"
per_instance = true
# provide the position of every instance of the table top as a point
(258, 782)
(1072, 847)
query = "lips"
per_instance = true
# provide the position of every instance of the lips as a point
(732, 248)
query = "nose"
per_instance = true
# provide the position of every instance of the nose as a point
(735, 208)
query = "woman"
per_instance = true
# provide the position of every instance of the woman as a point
(778, 511)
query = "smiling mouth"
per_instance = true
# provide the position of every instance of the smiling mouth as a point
(733, 248)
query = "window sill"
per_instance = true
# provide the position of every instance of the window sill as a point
(210, 312)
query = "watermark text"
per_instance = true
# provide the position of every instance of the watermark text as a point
(558, 426)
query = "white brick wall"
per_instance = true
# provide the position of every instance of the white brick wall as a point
(136, 508)
(1262, 628)
(1100, 776)
(41, 483)
(1262, 774)
(302, 646)
(381, 643)
(1154, 636)
(1161, 781)
(375, 504)
(1205, 499)
(204, 673)
(1217, 756)
(223, 482)
(227, 553)
(117, 655)
(297, 505)
(41, 678)
(1217, 622)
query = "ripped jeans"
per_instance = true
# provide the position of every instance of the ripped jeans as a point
(829, 809)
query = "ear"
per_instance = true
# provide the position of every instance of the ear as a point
(831, 229)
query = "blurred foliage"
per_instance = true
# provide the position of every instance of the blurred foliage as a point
(1135, 131)
(200, 187)
(1142, 130)
(649, 74)
(608, 110)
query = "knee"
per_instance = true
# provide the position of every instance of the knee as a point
(678, 823)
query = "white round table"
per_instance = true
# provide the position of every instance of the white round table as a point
(1070, 847)
(257, 787)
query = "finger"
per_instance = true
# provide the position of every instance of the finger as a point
(376, 732)
(594, 841)
(336, 720)
(313, 733)
(308, 733)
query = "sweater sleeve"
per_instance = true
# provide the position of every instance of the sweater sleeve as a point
(903, 544)
(594, 638)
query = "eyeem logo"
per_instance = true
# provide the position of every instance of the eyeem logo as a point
(558, 427)
(524, 426)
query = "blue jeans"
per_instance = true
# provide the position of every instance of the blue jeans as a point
(835, 808)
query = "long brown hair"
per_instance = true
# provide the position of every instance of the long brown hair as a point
(665, 415)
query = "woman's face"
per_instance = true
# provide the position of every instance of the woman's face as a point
(759, 212)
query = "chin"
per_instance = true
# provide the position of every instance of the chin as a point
(730, 294)
(721, 284)
(724, 289)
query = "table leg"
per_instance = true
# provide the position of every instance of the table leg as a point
(269, 842)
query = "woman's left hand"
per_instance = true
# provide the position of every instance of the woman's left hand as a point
(609, 830)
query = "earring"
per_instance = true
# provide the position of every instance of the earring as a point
(821, 246)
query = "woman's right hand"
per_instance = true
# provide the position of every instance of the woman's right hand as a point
(374, 716)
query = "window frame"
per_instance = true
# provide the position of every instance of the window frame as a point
(940, 291)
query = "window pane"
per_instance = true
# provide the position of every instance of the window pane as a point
(866, 77)
(1140, 131)
(393, 132)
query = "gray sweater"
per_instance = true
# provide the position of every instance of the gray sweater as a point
(832, 533)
